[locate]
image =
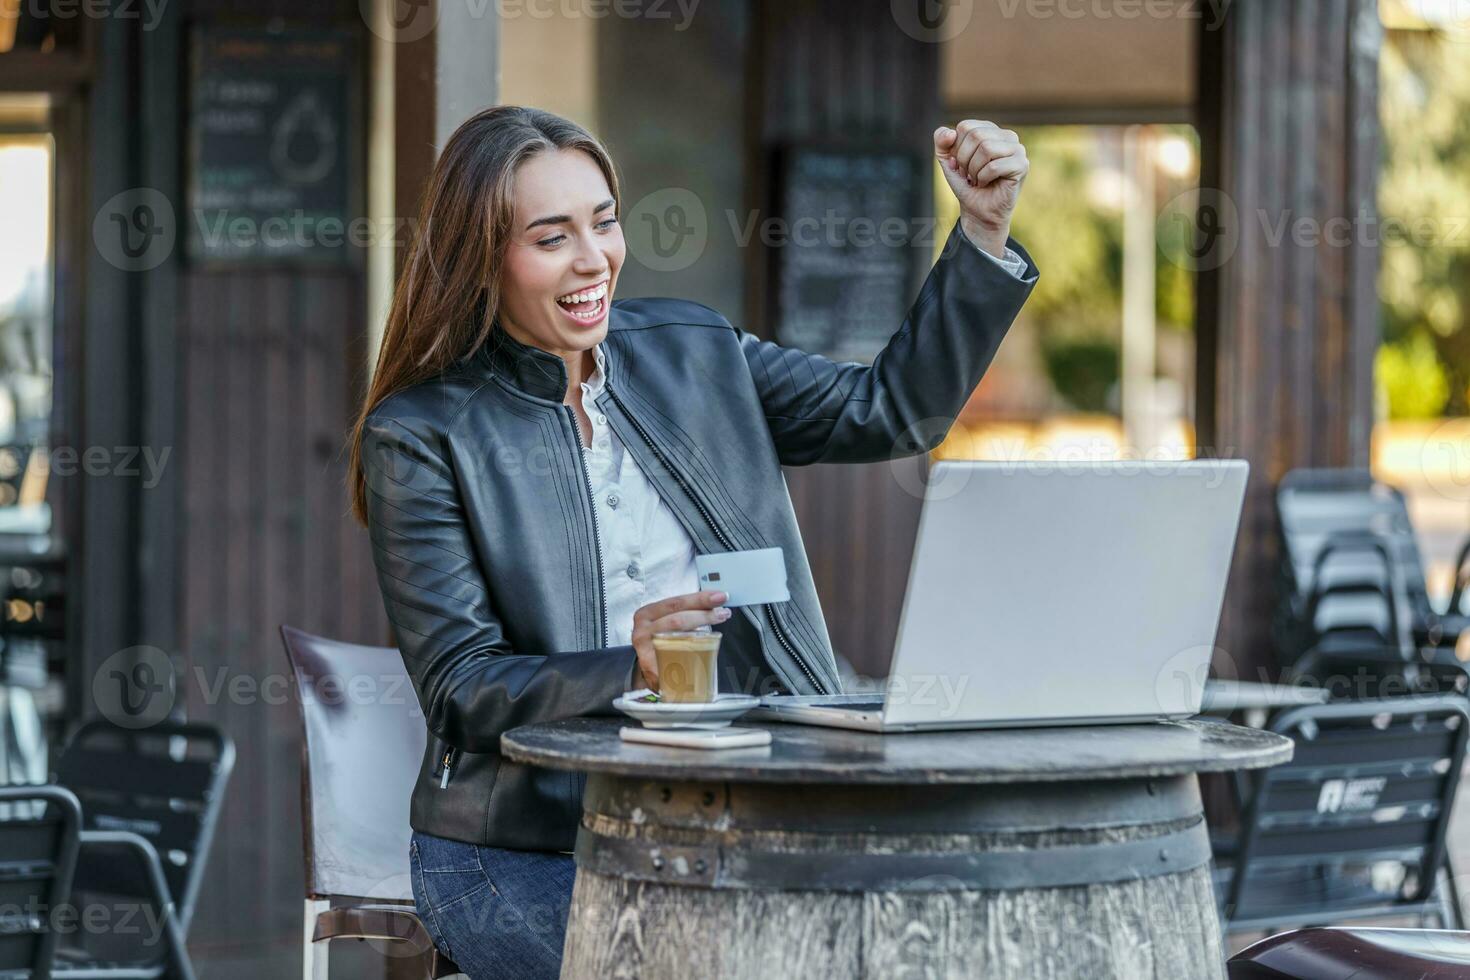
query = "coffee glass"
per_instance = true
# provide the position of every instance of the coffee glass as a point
(687, 665)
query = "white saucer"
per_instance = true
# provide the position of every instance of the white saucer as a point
(662, 714)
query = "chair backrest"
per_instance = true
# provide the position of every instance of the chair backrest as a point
(1370, 786)
(39, 828)
(365, 740)
(165, 783)
(1319, 508)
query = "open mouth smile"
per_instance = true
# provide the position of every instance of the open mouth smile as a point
(586, 306)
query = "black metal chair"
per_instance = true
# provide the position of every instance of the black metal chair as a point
(1379, 672)
(40, 831)
(360, 759)
(1347, 540)
(1354, 826)
(1353, 661)
(150, 800)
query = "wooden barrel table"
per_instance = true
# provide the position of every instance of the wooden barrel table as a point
(1021, 853)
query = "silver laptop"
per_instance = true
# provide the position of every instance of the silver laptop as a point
(1053, 594)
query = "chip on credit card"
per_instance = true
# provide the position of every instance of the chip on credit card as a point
(747, 577)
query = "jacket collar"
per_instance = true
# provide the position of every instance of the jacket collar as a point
(527, 368)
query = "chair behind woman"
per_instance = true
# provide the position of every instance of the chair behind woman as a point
(364, 739)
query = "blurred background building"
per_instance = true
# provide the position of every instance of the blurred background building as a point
(1252, 221)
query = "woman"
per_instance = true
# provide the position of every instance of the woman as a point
(538, 466)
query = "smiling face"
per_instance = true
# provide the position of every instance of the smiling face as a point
(563, 256)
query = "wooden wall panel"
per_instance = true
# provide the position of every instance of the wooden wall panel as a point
(270, 368)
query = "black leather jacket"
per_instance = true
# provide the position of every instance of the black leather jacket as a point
(487, 545)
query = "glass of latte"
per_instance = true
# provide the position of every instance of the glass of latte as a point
(686, 665)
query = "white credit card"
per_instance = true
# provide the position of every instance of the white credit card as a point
(747, 577)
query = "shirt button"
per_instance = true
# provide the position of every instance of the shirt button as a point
(601, 419)
(612, 500)
(633, 569)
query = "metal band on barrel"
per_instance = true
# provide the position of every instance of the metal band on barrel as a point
(704, 866)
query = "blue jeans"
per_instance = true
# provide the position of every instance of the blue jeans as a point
(497, 913)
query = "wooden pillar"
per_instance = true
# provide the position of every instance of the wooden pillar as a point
(1287, 262)
(446, 67)
(827, 70)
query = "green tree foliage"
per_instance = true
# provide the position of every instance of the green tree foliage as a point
(1424, 203)
(1412, 378)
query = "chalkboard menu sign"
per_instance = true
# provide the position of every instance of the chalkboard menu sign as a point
(844, 275)
(272, 131)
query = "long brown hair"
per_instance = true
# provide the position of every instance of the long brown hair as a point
(446, 297)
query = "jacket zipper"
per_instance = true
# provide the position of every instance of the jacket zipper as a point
(719, 533)
(596, 534)
(445, 764)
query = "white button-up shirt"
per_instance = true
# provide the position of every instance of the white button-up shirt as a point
(646, 553)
